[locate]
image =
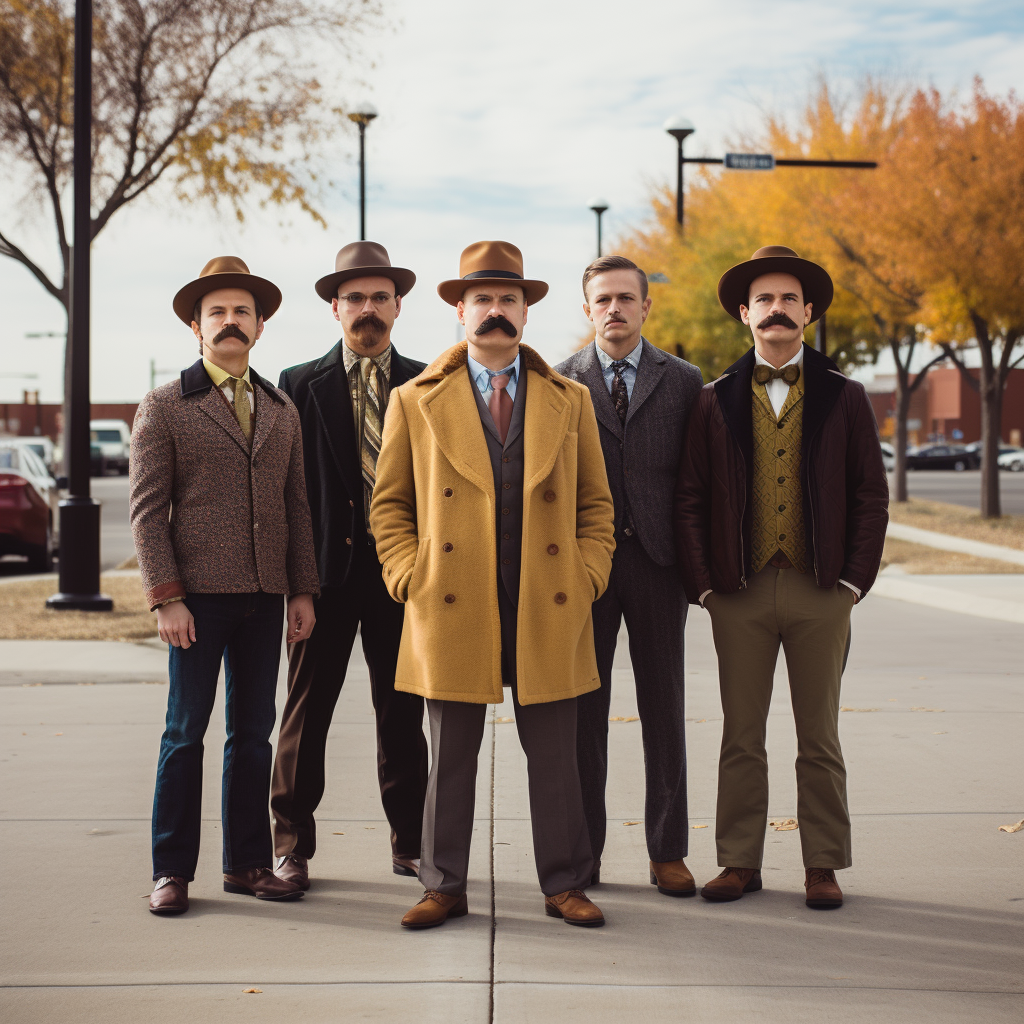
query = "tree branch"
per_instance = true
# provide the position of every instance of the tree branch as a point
(961, 366)
(8, 248)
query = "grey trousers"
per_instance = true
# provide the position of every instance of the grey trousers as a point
(547, 733)
(651, 599)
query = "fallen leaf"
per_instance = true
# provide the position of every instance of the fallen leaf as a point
(338, 833)
(844, 708)
(892, 700)
(58, 734)
(624, 718)
(784, 824)
(252, 991)
(503, 721)
(698, 826)
(928, 709)
(632, 823)
(1012, 828)
(370, 827)
(942, 733)
(922, 677)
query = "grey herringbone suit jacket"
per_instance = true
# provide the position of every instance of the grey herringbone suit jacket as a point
(643, 457)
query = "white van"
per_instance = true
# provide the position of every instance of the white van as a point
(113, 438)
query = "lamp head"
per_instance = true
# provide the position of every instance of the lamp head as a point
(598, 205)
(363, 113)
(679, 127)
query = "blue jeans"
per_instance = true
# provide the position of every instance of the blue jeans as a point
(245, 630)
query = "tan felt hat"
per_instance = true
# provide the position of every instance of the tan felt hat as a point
(490, 263)
(226, 272)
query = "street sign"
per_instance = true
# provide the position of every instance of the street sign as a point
(749, 161)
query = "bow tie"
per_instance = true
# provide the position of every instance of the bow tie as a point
(790, 374)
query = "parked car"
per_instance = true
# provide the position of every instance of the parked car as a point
(975, 448)
(97, 464)
(888, 457)
(114, 438)
(28, 507)
(1011, 458)
(942, 456)
(42, 446)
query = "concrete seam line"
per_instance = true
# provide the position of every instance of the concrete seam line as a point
(901, 589)
(961, 545)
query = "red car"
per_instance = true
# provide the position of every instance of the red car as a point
(28, 507)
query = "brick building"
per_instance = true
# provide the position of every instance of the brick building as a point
(28, 418)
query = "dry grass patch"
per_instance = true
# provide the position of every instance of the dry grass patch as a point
(960, 522)
(24, 615)
(918, 559)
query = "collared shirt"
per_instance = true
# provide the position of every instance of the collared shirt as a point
(778, 390)
(482, 377)
(222, 379)
(357, 385)
(628, 371)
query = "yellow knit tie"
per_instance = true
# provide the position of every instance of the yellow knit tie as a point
(242, 411)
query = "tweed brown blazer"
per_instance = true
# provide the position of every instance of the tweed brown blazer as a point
(208, 515)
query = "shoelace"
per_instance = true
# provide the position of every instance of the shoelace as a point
(578, 893)
(816, 875)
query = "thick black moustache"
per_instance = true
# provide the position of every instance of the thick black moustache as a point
(231, 331)
(496, 321)
(370, 320)
(775, 318)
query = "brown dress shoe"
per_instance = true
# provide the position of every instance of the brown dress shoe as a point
(435, 908)
(673, 878)
(169, 896)
(573, 907)
(822, 888)
(731, 884)
(408, 866)
(294, 869)
(261, 883)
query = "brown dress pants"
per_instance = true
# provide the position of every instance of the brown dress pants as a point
(812, 624)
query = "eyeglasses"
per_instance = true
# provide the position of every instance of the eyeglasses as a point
(358, 299)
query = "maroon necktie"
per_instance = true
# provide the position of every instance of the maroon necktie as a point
(500, 404)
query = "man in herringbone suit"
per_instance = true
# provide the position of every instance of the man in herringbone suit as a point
(642, 397)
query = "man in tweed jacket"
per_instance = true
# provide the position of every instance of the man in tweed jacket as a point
(222, 530)
(642, 398)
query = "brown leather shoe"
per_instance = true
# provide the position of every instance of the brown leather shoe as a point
(673, 878)
(169, 896)
(408, 866)
(822, 888)
(435, 908)
(261, 883)
(574, 907)
(294, 869)
(731, 884)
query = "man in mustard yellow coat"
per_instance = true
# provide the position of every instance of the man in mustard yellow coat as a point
(494, 525)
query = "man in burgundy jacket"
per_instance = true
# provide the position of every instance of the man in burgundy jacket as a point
(780, 516)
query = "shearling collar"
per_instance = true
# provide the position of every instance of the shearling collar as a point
(448, 362)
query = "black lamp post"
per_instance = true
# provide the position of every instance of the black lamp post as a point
(79, 512)
(679, 128)
(599, 206)
(362, 115)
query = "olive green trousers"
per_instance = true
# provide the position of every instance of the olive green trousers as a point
(812, 625)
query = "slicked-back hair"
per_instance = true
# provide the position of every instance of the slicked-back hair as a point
(606, 263)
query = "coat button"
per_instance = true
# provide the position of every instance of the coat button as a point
(506, 561)
(782, 479)
(504, 511)
(505, 458)
(351, 503)
(448, 547)
(348, 540)
(781, 452)
(782, 508)
(552, 549)
(449, 599)
(447, 492)
(560, 598)
(508, 536)
(549, 495)
(507, 486)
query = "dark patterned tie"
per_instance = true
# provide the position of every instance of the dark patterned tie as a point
(620, 396)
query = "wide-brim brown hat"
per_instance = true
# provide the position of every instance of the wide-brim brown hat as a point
(363, 259)
(490, 263)
(734, 287)
(226, 272)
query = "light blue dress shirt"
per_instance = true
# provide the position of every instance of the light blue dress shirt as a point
(628, 371)
(482, 377)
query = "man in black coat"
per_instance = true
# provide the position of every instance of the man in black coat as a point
(341, 400)
(642, 398)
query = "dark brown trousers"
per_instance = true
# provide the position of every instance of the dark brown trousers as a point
(316, 672)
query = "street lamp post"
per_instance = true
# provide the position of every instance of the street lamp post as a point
(679, 128)
(362, 115)
(79, 512)
(599, 206)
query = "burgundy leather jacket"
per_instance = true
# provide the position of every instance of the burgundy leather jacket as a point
(845, 491)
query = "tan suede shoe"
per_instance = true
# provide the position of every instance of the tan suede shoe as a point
(731, 884)
(435, 908)
(261, 883)
(573, 907)
(293, 869)
(169, 896)
(822, 888)
(673, 878)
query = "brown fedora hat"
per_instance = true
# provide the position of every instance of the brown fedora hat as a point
(363, 259)
(734, 287)
(490, 263)
(226, 272)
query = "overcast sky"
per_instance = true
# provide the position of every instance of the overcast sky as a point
(497, 122)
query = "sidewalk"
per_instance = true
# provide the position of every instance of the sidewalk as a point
(932, 928)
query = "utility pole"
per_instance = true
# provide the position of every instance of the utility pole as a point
(362, 116)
